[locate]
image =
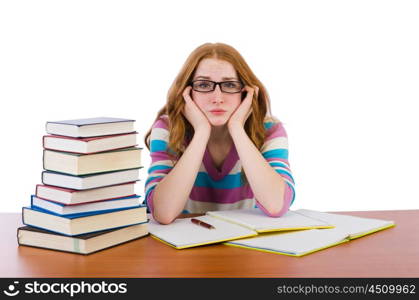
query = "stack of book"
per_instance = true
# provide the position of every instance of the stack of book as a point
(86, 201)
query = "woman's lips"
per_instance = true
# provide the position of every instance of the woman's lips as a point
(217, 111)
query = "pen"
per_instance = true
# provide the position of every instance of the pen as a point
(201, 223)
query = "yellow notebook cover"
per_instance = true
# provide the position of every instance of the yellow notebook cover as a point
(308, 241)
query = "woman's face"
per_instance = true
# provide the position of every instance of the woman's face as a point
(216, 105)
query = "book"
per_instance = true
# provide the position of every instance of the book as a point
(90, 127)
(90, 144)
(81, 244)
(84, 222)
(256, 220)
(229, 225)
(182, 233)
(100, 206)
(70, 196)
(304, 242)
(83, 164)
(91, 181)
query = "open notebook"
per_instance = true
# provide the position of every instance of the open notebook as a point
(229, 225)
(308, 241)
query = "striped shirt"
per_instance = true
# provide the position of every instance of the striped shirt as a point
(223, 189)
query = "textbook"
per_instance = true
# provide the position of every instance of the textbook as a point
(69, 196)
(90, 127)
(83, 164)
(89, 145)
(81, 244)
(229, 225)
(99, 206)
(308, 241)
(84, 182)
(84, 222)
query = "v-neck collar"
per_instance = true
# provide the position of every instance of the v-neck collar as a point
(226, 167)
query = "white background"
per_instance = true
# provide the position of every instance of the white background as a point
(343, 76)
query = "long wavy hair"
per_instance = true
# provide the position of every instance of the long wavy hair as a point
(180, 130)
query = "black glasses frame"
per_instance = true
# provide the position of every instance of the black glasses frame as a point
(215, 85)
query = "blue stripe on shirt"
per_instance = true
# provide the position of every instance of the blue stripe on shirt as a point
(278, 164)
(268, 125)
(228, 182)
(276, 153)
(158, 145)
(293, 192)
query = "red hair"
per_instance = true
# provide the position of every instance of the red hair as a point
(180, 128)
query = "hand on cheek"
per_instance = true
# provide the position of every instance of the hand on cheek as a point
(193, 113)
(243, 111)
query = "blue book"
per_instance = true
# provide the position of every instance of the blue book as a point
(82, 223)
(96, 207)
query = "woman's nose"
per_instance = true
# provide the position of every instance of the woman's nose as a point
(217, 94)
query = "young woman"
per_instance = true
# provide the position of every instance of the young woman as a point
(215, 145)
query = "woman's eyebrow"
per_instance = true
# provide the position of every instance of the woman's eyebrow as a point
(224, 78)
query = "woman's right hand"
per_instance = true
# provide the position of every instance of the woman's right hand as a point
(193, 113)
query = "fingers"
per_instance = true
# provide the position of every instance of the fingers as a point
(187, 94)
(256, 90)
(251, 90)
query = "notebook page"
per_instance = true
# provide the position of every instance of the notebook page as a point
(352, 225)
(183, 233)
(255, 219)
(294, 243)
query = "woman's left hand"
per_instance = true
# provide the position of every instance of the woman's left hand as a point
(243, 111)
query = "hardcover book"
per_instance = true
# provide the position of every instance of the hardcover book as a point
(69, 196)
(90, 127)
(81, 244)
(83, 164)
(89, 145)
(84, 222)
(91, 181)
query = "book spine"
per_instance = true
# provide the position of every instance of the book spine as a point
(42, 177)
(23, 216)
(17, 236)
(43, 159)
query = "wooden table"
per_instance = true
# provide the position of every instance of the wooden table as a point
(390, 253)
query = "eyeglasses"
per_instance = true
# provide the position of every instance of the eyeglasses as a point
(206, 86)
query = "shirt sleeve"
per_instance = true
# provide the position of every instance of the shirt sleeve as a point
(161, 163)
(275, 151)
